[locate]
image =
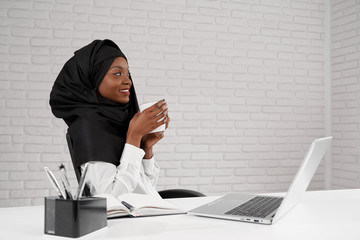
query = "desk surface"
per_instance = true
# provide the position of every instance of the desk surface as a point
(321, 215)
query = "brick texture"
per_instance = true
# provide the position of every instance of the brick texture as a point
(346, 94)
(244, 81)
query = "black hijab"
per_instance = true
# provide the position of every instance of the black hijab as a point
(97, 126)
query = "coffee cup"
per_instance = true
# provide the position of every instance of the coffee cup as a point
(146, 105)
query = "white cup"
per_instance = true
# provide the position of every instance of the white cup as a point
(146, 105)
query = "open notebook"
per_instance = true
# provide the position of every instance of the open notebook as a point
(136, 205)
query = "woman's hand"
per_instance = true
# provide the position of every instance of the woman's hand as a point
(149, 140)
(146, 121)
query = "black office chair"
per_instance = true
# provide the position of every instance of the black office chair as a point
(179, 193)
(168, 193)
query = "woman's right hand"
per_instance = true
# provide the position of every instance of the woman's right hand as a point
(144, 122)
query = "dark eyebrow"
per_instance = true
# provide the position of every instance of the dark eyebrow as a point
(117, 67)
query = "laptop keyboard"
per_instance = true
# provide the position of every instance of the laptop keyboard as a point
(259, 206)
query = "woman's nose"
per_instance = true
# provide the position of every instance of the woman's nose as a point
(127, 81)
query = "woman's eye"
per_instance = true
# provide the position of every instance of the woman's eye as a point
(119, 74)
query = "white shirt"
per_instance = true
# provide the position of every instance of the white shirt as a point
(134, 174)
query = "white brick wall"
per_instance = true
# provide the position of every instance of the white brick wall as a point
(244, 81)
(346, 94)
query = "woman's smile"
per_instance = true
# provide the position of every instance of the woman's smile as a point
(125, 91)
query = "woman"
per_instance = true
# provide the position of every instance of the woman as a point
(95, 96)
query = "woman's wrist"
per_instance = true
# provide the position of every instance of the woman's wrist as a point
(148, 153)
(133, 140)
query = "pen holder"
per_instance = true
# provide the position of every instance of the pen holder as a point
(74, 218)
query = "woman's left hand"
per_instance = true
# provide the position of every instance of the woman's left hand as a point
(149, 140)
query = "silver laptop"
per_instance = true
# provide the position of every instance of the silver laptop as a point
(267, 209)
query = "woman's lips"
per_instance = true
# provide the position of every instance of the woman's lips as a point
(125, 92)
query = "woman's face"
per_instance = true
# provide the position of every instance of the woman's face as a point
(116, 83)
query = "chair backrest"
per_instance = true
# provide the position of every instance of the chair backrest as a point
(180, 193)
(76, 169)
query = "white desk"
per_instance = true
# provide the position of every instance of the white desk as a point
(321, 215)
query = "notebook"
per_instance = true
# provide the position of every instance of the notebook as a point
(138, 205)
(267, 209)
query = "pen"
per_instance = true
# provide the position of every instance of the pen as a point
(128, 206)
(54, 183)
(82, 182)
(62, 168)
(65, 181)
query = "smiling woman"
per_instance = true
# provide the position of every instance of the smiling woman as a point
(95, 95)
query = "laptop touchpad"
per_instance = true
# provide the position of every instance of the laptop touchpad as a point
(225, 203)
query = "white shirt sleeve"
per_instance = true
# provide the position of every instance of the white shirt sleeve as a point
(134, 174)
(151, 170)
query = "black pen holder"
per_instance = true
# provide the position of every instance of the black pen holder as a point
(74, 218)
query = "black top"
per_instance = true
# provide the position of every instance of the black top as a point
(97, 126)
